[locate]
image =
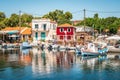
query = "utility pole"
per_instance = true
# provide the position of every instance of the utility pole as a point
(19, 25)
(93, 32)
(19, 19)
(84, 24)
(84, 18)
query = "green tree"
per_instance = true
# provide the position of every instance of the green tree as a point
(68, 15)
(101, 24)
(6, 22)
(2, 16)
(2, 25)
(13, 21)
(26, 18)
(113, 29)
(96, 16)
(59, 16)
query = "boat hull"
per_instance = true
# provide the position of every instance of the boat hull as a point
(93, 54)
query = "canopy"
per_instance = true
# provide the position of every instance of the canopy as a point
(115, 37)
(13, 32)
(13, 36)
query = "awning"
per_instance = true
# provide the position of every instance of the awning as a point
(12, 32)
(13, 36)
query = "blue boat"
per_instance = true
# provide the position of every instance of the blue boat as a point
(85, 53)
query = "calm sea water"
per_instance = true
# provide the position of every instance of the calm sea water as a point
(35, 64)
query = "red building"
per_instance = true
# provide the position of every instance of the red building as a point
(65, 32)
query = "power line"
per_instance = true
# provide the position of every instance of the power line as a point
(77, 11)
(103, 11)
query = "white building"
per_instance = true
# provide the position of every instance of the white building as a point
(82, 29)
(43, 29)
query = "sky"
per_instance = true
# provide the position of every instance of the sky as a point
(105, 8)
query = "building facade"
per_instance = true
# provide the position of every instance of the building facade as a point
(15, 34)
(65, 33)
(43, 29)
(26, 34)
(84, 34)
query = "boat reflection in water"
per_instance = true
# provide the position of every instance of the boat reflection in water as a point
(32, 64)
(47, 62)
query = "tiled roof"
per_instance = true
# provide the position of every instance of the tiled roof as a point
(23, 30)
(66, 25)
(13, 28)
(27, 31)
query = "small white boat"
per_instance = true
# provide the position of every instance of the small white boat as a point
(25, 45)
(113, 49)
(55, 46)
(10, 46)
(92, 50)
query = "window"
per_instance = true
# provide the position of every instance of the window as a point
(36, 35)
(68, 37)
(69, 30)
(61, 37)
(36, 26)
(43, 35)
(54, 27)
(53, 36)
(61, 29)
(50, 26)
(44, 27)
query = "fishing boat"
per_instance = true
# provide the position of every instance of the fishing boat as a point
(92, 50)
(9, 46)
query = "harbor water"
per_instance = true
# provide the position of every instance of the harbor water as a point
(36, 64)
